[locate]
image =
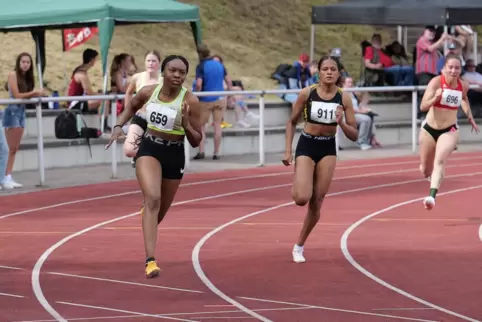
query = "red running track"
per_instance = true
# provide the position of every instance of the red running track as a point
(225, 250)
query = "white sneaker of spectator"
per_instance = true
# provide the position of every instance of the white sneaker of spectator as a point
(9, 183)
(365, 147)
(252, 116)
(242, 123)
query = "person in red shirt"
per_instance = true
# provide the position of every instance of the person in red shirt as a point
(378, 60)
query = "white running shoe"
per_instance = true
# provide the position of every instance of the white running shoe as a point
(298, 254)
(11, 184)
(429, 202)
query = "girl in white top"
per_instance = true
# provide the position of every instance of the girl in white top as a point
(138, 123)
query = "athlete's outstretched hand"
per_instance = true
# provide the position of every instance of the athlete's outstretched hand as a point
(116, 133)
(288, 158)
(339, 114)
(474, 126)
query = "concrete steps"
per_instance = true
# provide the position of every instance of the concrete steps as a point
(393, 128)
(236, 142)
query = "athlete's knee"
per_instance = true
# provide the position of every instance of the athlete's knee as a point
(300, 198)
(153, 202)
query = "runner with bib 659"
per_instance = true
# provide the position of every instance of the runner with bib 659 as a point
(439, 134)
(324, 107)
(172, 113)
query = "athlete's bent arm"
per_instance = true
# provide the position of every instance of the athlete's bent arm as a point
(295, 116)
(191, 120)
(135, 104)
(130, 90)
(349, 126)
(430, 97)
(465, 101)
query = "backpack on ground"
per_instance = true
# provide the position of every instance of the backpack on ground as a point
(66, 128)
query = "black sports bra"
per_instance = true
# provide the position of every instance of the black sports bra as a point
(320, 111)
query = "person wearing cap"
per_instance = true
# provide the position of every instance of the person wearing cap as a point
(453, 48)
(336, 52)
(299, 73)
(299, 76)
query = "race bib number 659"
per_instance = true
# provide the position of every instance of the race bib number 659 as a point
(160, 116)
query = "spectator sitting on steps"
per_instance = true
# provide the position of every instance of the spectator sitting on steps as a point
(364, 118)
(298, 77)
(80, 85)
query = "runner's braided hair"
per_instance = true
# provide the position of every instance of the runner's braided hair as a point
(174, 57)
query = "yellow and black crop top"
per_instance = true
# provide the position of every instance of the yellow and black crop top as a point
(320, 111)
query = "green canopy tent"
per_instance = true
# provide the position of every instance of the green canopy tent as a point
(37, 16)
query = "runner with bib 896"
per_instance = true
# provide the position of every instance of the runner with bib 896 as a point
(439, 134)
(324, 107)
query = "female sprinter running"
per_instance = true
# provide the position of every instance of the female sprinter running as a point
(323, 106)
(171, 113)
(439, 134)
(138, 123)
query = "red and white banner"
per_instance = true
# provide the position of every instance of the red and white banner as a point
(77, 36)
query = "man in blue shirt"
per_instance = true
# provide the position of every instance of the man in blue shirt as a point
(210, 77)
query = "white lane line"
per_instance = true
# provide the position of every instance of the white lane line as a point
(159, 316)
(11, 267)
(221, 317)
(73, 202)
(13, 295)
(296, 308)
(37, 289)
(335, 309)
(404, 309)
(480, 232)
(89, 318)
(23, 212)
(125, 282)
(195, 253)
(354, 263)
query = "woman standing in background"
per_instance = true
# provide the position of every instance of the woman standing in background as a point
(3, 153)
(20, 85)
(138, 123)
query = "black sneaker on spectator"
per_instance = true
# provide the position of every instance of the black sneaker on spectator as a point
(199, 156)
